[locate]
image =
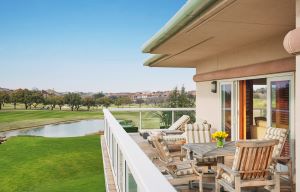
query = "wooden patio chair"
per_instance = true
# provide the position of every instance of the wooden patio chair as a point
(281, 135)
(199, 133)
(251, 167)
(182, 172)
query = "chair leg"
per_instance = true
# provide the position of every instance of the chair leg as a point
(276, 187)
(290, 170)
(217, 186)
(200, 183)
(237, 187)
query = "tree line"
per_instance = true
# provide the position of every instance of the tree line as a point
(39, 99)
(43, 100)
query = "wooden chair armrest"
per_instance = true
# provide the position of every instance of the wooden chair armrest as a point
(281, 160)
(227, 169)
(178, 155)
(191, 162)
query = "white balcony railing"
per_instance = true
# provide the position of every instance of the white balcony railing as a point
(132, 170)
(141, 110)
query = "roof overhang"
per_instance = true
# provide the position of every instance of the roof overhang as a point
(204, 28)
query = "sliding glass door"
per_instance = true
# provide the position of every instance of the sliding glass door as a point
(280, 97)
(272, 95)
(228, 108)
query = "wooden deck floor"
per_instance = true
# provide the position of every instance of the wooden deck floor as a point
(109, 180)
(151, 153)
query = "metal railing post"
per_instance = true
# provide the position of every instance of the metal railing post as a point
(173, 117)
(140, 126)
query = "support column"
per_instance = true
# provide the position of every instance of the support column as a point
(291, 44)
(297, 108)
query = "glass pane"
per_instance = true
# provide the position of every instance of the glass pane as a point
(120, 171)
(226, 91)
(131, 185)
(259, 114)
(280, 96)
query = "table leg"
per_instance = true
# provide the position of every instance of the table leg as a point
(220, 159)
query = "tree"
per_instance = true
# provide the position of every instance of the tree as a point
(104, 101)
(118, 101)
(60, 101)
(88, 102)
(178, 99)
(173, 98)
(73, 100)
(185, 99)
(15, 97)
(23, 96)
(36, 98)
(140, 102)
(125, 100)
(51, 100)
(98, 95)
(4, 98)
(156, 100)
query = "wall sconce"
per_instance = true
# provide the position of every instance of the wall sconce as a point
(213, 86)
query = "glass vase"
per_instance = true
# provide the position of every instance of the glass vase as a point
(220, 143)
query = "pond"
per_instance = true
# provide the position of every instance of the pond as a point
(75, 129)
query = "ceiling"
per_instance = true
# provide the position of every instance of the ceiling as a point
(227, 25)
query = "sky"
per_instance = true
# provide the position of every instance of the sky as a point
(84, 45)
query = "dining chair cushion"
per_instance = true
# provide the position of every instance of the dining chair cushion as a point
(198, 133)
(277, 133)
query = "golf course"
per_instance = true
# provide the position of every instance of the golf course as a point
(31, 163)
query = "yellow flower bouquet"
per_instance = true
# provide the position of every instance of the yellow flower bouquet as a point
(220, 136)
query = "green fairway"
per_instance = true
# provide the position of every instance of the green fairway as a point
(37, 164)
(18, 119)
(15, 119)
(149, 119)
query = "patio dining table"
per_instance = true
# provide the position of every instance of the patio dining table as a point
(209, 150)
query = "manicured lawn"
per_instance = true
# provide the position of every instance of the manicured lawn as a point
(149, 119)
(15, 119)
(259, 103)
(37, 164)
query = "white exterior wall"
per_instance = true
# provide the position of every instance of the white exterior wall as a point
(208, 105)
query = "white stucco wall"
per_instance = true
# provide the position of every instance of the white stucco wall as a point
(208, 104)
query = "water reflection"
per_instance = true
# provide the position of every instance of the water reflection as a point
(80, 128)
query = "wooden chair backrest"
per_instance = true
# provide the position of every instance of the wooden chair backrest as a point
(279, 134)
(253, 158)
(180, 123)
(198, 133)
(162, 148)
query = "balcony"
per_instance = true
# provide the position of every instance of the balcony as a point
(129, 160)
